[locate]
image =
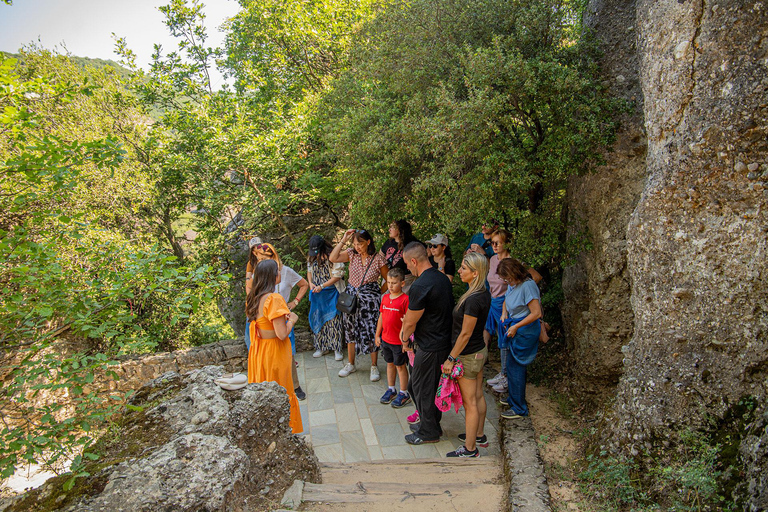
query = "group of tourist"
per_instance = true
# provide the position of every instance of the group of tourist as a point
(399, 301)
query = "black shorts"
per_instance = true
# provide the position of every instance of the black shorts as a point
(393, 353)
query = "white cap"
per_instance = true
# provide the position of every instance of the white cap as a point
(438, 239)
(254, 241)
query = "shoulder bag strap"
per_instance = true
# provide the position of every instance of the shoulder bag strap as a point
(366, 270)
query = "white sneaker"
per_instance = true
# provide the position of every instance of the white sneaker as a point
(348, 368)
(495, 380)
(319, 353)
(375, 375)
(501, 387)
(338, 355)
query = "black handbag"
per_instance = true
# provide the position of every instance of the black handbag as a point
(347, 302)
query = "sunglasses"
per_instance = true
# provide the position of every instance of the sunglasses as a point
(262, 247)
(360, 231)
(496, 243)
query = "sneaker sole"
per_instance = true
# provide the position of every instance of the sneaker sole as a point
(477, 442)
(424, 442)
(386, 402)
(413, 422)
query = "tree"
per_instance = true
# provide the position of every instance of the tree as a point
(457, 112)
(80, 285)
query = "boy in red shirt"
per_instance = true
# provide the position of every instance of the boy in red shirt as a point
(393, 307)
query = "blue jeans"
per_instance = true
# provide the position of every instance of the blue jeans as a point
(248, 337)
(504, 353)
(516, 375)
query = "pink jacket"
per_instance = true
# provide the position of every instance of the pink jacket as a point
(448, 392)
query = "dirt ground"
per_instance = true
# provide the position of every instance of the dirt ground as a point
(559, 435)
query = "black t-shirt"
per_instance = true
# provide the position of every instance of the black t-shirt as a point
(450, 266)
(477, 305)
(432, 292)
(394, 255)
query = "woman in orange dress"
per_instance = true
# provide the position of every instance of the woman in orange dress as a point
(270, 358)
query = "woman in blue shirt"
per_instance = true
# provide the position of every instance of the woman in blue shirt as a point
(520, 317)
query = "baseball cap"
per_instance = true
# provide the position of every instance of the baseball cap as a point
(438, 239)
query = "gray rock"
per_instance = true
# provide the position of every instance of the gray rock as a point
(685, 279)
(192, 472)
(188, 448)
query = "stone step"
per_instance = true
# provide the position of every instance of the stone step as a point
(424, 485)
(479, 470)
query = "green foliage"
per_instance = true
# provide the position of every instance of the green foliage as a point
(444, 113)
(71, 261)
(610, 480)
(280, 50)
(685, 478)
(455, 113)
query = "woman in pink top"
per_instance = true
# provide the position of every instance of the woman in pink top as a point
(498, 287)
(366, 267)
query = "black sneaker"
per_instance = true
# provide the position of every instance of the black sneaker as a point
(511, 415)
(300, 394)
(462, 452)
(415, 428)
(481, 441)
(415, 439)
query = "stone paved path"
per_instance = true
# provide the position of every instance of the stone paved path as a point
(345, 422)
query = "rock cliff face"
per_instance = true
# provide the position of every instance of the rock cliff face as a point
(189, 446)
(597, 311)
(696, 242)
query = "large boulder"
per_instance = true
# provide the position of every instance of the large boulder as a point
(190, 446)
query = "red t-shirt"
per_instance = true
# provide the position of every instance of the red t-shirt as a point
(392, 313)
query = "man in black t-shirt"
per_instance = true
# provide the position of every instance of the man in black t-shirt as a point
(430, 305)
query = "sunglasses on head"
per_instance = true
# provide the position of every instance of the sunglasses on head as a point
(360, 231)
(262, 247)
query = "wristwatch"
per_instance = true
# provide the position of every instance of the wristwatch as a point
(451, 358)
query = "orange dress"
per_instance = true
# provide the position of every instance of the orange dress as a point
(270, 359)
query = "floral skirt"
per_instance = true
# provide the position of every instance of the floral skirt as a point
(360, 326)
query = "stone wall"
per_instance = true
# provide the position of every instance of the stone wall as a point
(597, 311)
(133, 372)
